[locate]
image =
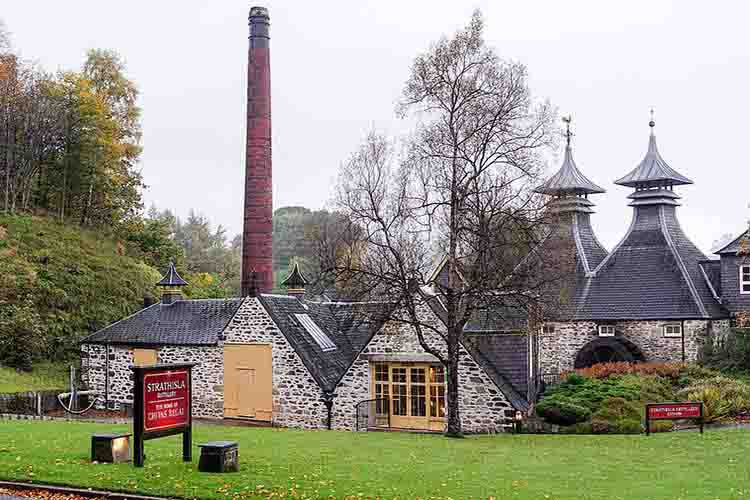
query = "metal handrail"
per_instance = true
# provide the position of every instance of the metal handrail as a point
(373, 402)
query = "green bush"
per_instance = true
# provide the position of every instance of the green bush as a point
(722, 397)
(562, 412)
(579, 428)
(617, 416)
(662, 426)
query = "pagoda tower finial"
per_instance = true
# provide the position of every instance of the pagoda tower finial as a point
(568, 185)
(651, 122)
(568, 133)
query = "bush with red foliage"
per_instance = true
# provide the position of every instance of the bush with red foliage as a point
(604, 370)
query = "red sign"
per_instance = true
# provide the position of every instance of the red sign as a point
(166, 397)
(674, 411)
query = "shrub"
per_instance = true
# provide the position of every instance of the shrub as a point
(651, 388)
(562, 412)
(617, 416)
(624, 426)
(722, 397)
(579, 428)
(606, 370)
(662, 426)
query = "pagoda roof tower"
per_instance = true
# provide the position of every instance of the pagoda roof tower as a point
(655, 271)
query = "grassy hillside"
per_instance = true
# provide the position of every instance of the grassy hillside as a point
(46, 376)
(59, 283)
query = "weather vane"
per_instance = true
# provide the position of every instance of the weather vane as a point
(568, 133)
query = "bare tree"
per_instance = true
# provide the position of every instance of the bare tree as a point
(4, 38)
(459, 187)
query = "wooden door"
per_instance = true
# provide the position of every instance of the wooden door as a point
(144, 357)
(248, 381)
(415, 393)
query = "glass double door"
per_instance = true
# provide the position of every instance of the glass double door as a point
(413, 393)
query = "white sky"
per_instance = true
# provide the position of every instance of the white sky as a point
(338, 68)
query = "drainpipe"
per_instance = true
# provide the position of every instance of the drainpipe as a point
(106, 376)
(682, 328)
(327, 399)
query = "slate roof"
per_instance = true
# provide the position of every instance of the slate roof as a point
(498, 358)
(506, 355)
(350, 325)
(653, 170)
(172, 278)
(184, 322)
(568, 180)
(653, 273)
(733, 246)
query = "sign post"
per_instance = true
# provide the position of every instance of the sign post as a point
(162, 406)
(674, 411)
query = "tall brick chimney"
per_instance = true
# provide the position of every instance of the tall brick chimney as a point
(257, 235)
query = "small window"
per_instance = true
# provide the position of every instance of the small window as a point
(673, 330)
(548, 329)
(744, 279)
(315, 332)
(606, 331)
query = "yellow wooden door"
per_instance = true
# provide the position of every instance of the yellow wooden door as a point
(248, 381)
(144, 357)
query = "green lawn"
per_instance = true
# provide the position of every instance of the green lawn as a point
(44, 376)
(319, 464)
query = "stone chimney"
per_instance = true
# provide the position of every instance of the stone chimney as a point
(171, 285)
(257, 234)
(295, 283)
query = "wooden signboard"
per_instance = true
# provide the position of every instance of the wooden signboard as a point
(674, 411)
(162, 406)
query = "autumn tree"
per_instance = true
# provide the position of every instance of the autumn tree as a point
(459, 187)
(69, 143)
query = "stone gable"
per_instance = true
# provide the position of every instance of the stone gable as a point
(483, 408)
(296, 395)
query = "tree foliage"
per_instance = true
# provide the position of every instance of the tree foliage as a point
(69, 142)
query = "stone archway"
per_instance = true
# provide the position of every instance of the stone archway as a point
(608, 350)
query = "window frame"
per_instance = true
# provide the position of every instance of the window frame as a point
(600, 329)
(743, 281)
(672, 335)
(548, 329)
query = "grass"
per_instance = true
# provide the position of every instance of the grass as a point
(45, 376)
(322, 464)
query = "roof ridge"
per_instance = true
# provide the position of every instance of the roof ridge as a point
(681, 264)
(710, 285)
(579, 244)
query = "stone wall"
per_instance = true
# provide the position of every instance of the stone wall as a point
(296, 395)
(207, 375)
(94, 363)
(481, 405)
(558, 349)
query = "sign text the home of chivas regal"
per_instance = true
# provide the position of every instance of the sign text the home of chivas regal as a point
(162, 406)
(166, 399)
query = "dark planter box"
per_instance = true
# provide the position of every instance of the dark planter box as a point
(219, 456)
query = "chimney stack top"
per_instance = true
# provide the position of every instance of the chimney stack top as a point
(259, 12)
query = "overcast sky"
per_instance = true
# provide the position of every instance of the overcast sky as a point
(338, 68)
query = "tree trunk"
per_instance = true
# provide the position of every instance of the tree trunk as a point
(454, 416)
